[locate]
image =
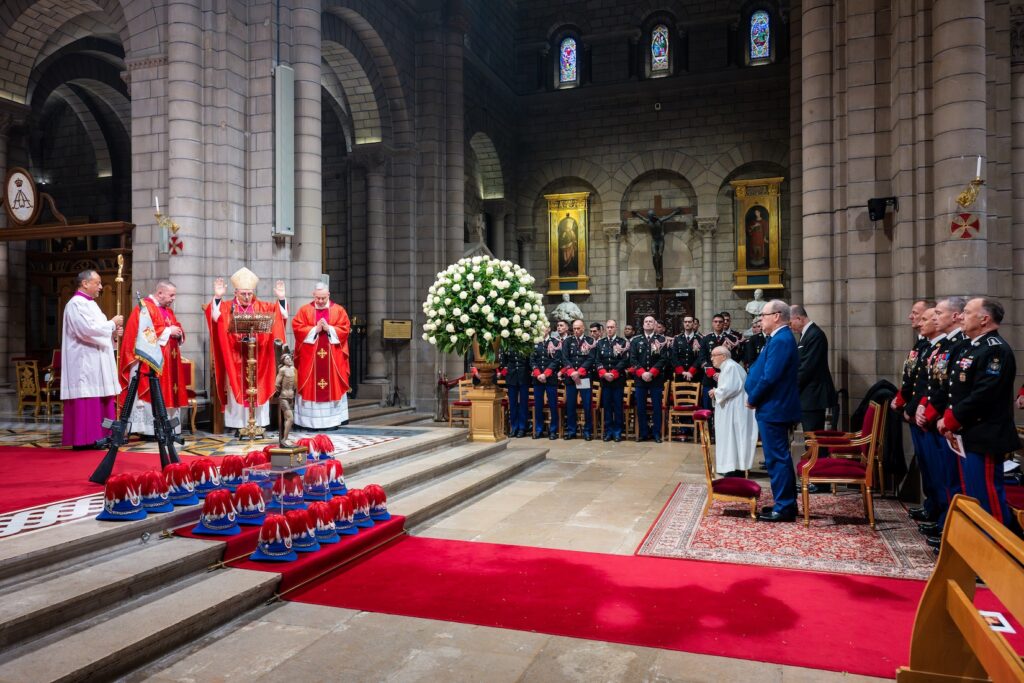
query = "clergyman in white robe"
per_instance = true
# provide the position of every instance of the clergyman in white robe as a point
(735, 426)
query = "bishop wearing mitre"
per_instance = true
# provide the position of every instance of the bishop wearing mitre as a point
(170, 337)
(229, 347)
(321, 349)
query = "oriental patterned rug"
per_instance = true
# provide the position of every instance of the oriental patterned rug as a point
(839, 538)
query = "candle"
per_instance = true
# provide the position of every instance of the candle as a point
(156, 200)
(977, 172)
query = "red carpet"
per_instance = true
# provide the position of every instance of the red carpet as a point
(823, 621)
(39, 476)
(309, 565)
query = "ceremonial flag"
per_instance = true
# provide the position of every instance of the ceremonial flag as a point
(147, 344)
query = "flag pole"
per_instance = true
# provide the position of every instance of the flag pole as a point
(119, 281)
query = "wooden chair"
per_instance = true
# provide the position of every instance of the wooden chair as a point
(51, 392)
(30, 391)
(950, 640)
(628, 408)
(839, 444)
(665, 396)
(596, 414)
(845, 470)
(683, 403)
(729, 489)
(548, 418)
(461, 407)
(190, 391)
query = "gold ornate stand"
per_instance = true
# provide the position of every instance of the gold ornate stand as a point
(251, 324)
(485, 423)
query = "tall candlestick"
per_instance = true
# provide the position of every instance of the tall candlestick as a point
(156, 199)
(977, 172)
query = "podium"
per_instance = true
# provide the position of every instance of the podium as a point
(248, 325)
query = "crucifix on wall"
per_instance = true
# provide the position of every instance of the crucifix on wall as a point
(656, 219)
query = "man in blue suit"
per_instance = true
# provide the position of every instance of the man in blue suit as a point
(773, 391)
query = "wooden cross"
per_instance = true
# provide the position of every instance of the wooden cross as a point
(659, 211)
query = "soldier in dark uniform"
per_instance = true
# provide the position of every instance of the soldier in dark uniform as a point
(687, 357)
(754, 344)
(649, 356)
(515, 368)
(611, 357)
(545, 362)
(936, 454)
(714, 338)
(735, 338)
(980, 407)
(577, 363)
(927, 510)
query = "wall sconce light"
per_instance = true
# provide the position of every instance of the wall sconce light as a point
(876, 207)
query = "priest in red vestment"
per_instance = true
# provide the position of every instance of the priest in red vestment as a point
(173, 380)
(229, 349)
(322, 370)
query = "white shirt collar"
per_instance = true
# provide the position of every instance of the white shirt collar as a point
(776, 331)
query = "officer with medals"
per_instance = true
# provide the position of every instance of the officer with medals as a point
(611, 357)
(941, 461)
(545, 362)
(980, 409)
(515, 369)
(577, 363)
(649, 355)
(926, 512)
(687, 355)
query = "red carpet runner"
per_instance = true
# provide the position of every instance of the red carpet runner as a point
(823, 621)
(38, 476)
(309, 565)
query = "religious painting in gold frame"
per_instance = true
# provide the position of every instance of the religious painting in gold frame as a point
(568, 234)
(758, 243)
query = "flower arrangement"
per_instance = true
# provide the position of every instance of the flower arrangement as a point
(484, 300)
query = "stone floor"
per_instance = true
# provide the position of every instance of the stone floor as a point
(588, 496)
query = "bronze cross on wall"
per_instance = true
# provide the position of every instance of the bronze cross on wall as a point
(655, 219)
(658, 210)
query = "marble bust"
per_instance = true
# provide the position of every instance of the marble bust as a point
(567, 311)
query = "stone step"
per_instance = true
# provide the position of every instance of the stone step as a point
(421, 442)
(143, 630)
(360, 415)
(407, 473)
(400, 419)
(38, 605)
(422, 503)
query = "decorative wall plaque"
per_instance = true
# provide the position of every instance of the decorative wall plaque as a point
(21, 198)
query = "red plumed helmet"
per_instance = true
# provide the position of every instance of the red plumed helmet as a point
(205, 474)
(218, 515)
(287, 492)
(335, 477)
(232, 468)
(320, 514)
(256, 458)
(219, 503)
(378, 502)
(180, 487)
(249, 503)
(121, 499)
(361, 508)
(154, 491)
(323, 444)
(316, 475)
(344, 513)
(275, 541)
(303, 532)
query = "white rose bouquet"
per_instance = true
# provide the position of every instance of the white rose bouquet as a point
(486, 300)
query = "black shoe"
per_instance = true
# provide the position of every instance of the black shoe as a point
(641, 439)
(569, 437)
(587, 437)
(617, 438)
(537, 435)
(930, 528)
(767, 509)
(657, 439)
(776, 517)
(919, 515)
(606, 437)
(934, 541)
(554, 436)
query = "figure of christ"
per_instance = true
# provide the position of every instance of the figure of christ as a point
(284, 387)
(657, 225)
(230, 349)
(322, 362)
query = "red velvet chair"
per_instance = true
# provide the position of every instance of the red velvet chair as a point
(840, 444)
(730, 489)
(858, 470)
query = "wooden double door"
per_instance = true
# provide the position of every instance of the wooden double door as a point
(668, 306)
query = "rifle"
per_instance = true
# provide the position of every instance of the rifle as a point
(163, 428)
(119, 432)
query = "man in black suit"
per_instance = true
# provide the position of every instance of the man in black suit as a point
(817, 393)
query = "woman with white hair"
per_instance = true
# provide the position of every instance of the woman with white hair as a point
(735, 426)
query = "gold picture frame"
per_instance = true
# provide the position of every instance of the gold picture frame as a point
(568, 235)
(758, 243)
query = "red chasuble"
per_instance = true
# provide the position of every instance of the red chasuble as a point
(173, 378)
(230, 354)
(322, 368)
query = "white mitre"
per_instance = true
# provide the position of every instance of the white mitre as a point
(244, 279)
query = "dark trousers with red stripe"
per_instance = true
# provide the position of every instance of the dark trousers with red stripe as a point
(945, 473)
(982, 477)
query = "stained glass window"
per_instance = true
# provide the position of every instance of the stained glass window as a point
(760, 36)
(659, 49)
(567, 61)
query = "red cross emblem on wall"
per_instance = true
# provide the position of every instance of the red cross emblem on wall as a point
(175, 245)
(965, 226)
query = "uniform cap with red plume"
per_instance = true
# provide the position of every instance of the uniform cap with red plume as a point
(261, 462)
(249, 503)
(323, 445)
(121, 499)
(232, 470)
(218, 515)
(335, 477)
(322, 518)
(275, 541)
(344, 513)
(181, 490)
(154, 491)
(378, 502)
(361, 508)
(206, 475)
(315, 483)
(287, 492)
(303, 533)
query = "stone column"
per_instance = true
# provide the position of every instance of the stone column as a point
(524, 239)
(376, 255)
(6, 120)
(510, 233)
(497, 209)
(959, 132)
(305, 59)
(454, 123)
(706, 227)
(1017, 162)
(817, 133)
(613, 231)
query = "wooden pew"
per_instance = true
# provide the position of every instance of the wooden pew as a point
(951, 641)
